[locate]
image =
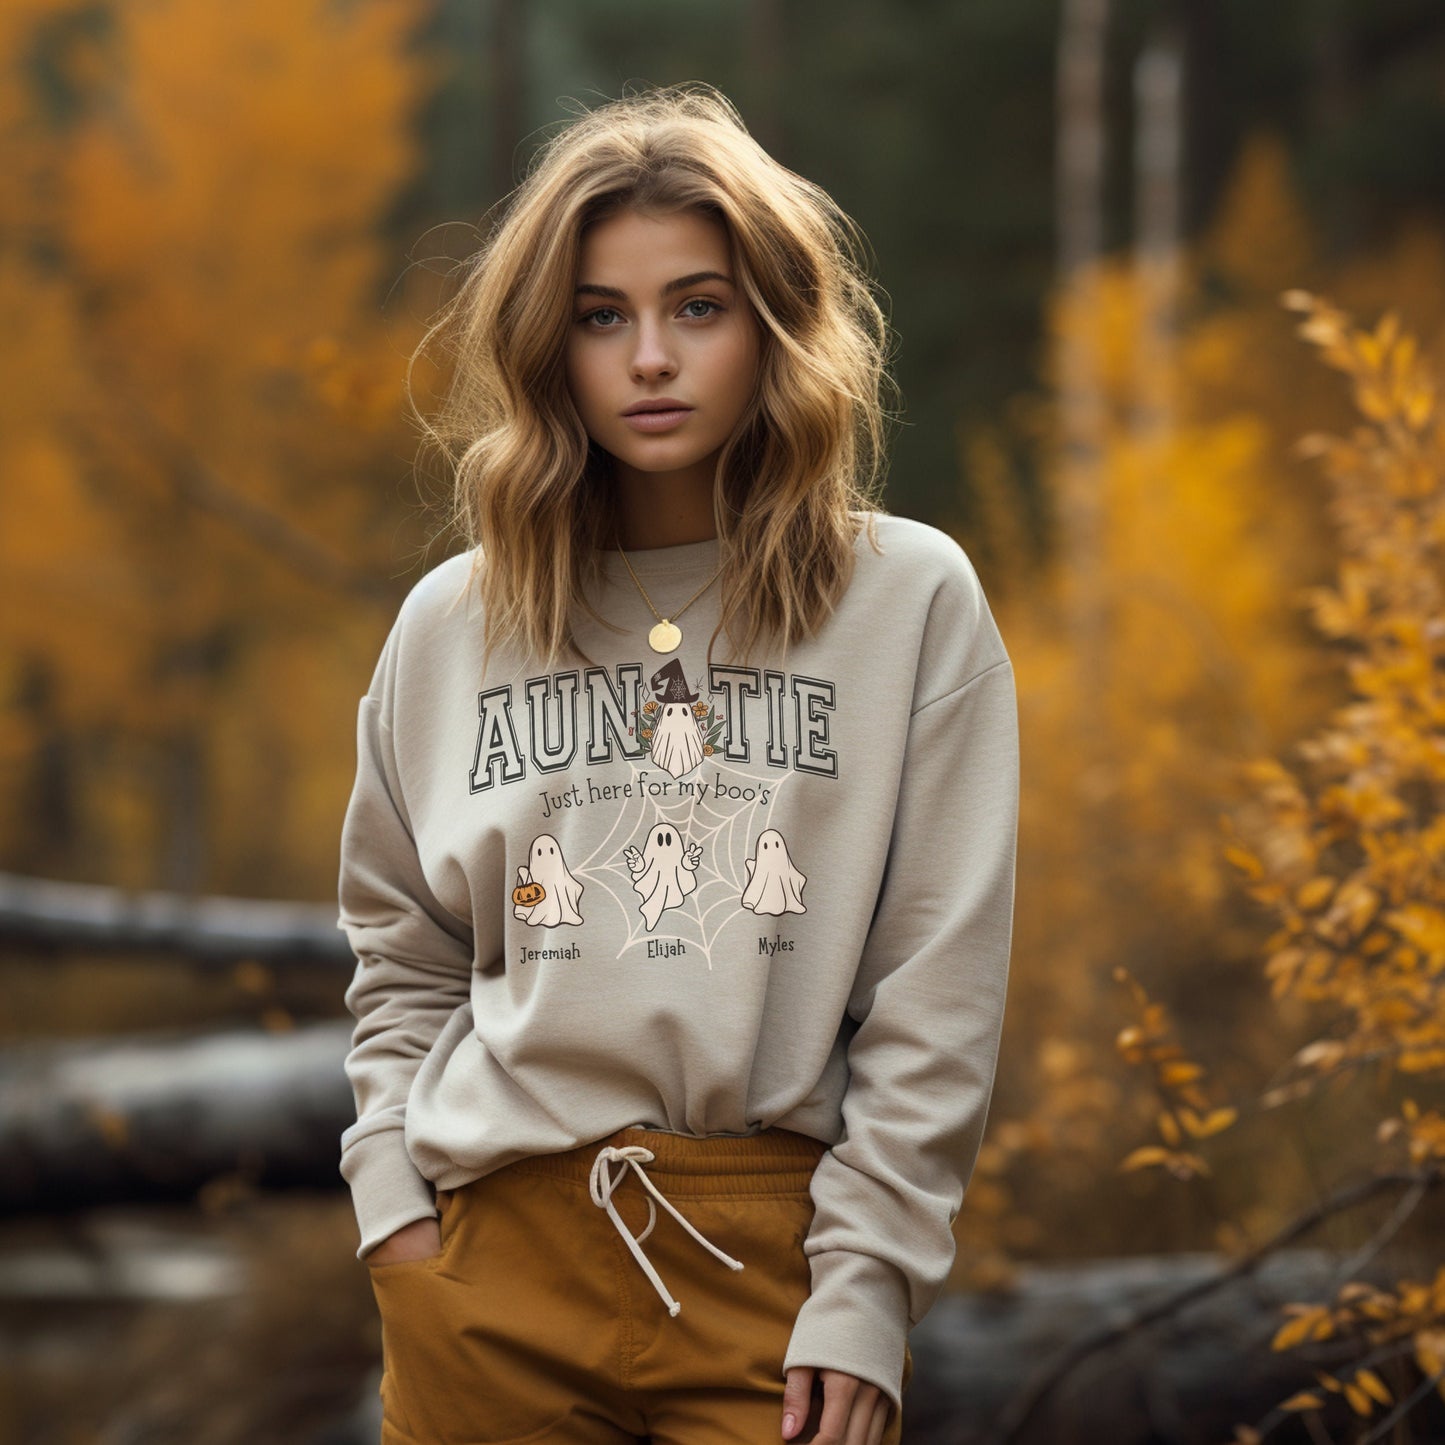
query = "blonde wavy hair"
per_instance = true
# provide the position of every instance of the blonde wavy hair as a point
(802, 471)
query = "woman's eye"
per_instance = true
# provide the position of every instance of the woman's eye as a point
(591, 318)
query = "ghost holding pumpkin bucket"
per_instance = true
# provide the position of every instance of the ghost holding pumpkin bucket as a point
(546, 893)
(774, 885)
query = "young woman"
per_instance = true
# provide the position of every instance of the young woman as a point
(680, 979)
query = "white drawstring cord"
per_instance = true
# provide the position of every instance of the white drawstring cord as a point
(603, 1183)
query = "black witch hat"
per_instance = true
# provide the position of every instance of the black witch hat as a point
(670, 685)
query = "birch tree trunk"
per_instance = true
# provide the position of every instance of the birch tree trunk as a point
(1080, 155)
(1157, 151)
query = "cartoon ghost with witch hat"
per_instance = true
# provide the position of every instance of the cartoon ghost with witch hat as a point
(676, 738)
(546, 893)
(774, 884)
(665, 872)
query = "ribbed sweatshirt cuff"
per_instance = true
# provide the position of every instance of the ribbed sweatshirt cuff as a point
(387, 1189)
(855, 1320)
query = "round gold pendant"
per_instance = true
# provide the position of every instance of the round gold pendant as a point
(665, 636)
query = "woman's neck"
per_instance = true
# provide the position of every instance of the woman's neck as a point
(655, 511)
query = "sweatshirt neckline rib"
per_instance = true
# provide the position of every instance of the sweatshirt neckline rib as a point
(676, 561)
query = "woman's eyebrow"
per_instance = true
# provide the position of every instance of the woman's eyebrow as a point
(613, 293)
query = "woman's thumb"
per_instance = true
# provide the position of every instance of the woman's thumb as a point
(797, 1397)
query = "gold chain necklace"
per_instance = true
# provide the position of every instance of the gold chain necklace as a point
(666, 635)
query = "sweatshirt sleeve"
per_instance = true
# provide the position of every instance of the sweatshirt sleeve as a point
(413, 970)
(929, 1003)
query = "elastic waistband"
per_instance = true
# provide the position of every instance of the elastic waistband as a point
(771, 1161)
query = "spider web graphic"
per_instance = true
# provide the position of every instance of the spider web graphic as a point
(726, 839)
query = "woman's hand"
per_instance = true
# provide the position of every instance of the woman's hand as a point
(853, 1411)
(417, 1240)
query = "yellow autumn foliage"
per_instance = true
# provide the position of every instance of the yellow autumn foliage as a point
(199, 408)
(1219, 652)
(1343, 850)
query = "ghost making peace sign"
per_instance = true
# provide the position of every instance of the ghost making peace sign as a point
(665, 872)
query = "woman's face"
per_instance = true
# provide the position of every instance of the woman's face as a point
(637, 335)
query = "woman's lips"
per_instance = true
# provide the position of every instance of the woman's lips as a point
(656, 420)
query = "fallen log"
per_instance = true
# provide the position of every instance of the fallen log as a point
(107, 1121)
(1187, 1378)
(207, 930)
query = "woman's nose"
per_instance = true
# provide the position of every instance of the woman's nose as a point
(652, 351)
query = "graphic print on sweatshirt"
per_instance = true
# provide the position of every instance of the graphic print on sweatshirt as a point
(689, 846)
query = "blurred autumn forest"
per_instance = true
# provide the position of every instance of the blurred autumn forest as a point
(1120, 314)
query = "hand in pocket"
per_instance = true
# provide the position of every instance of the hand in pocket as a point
(420, 1239)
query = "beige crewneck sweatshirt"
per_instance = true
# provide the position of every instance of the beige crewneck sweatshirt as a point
(706, 899)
